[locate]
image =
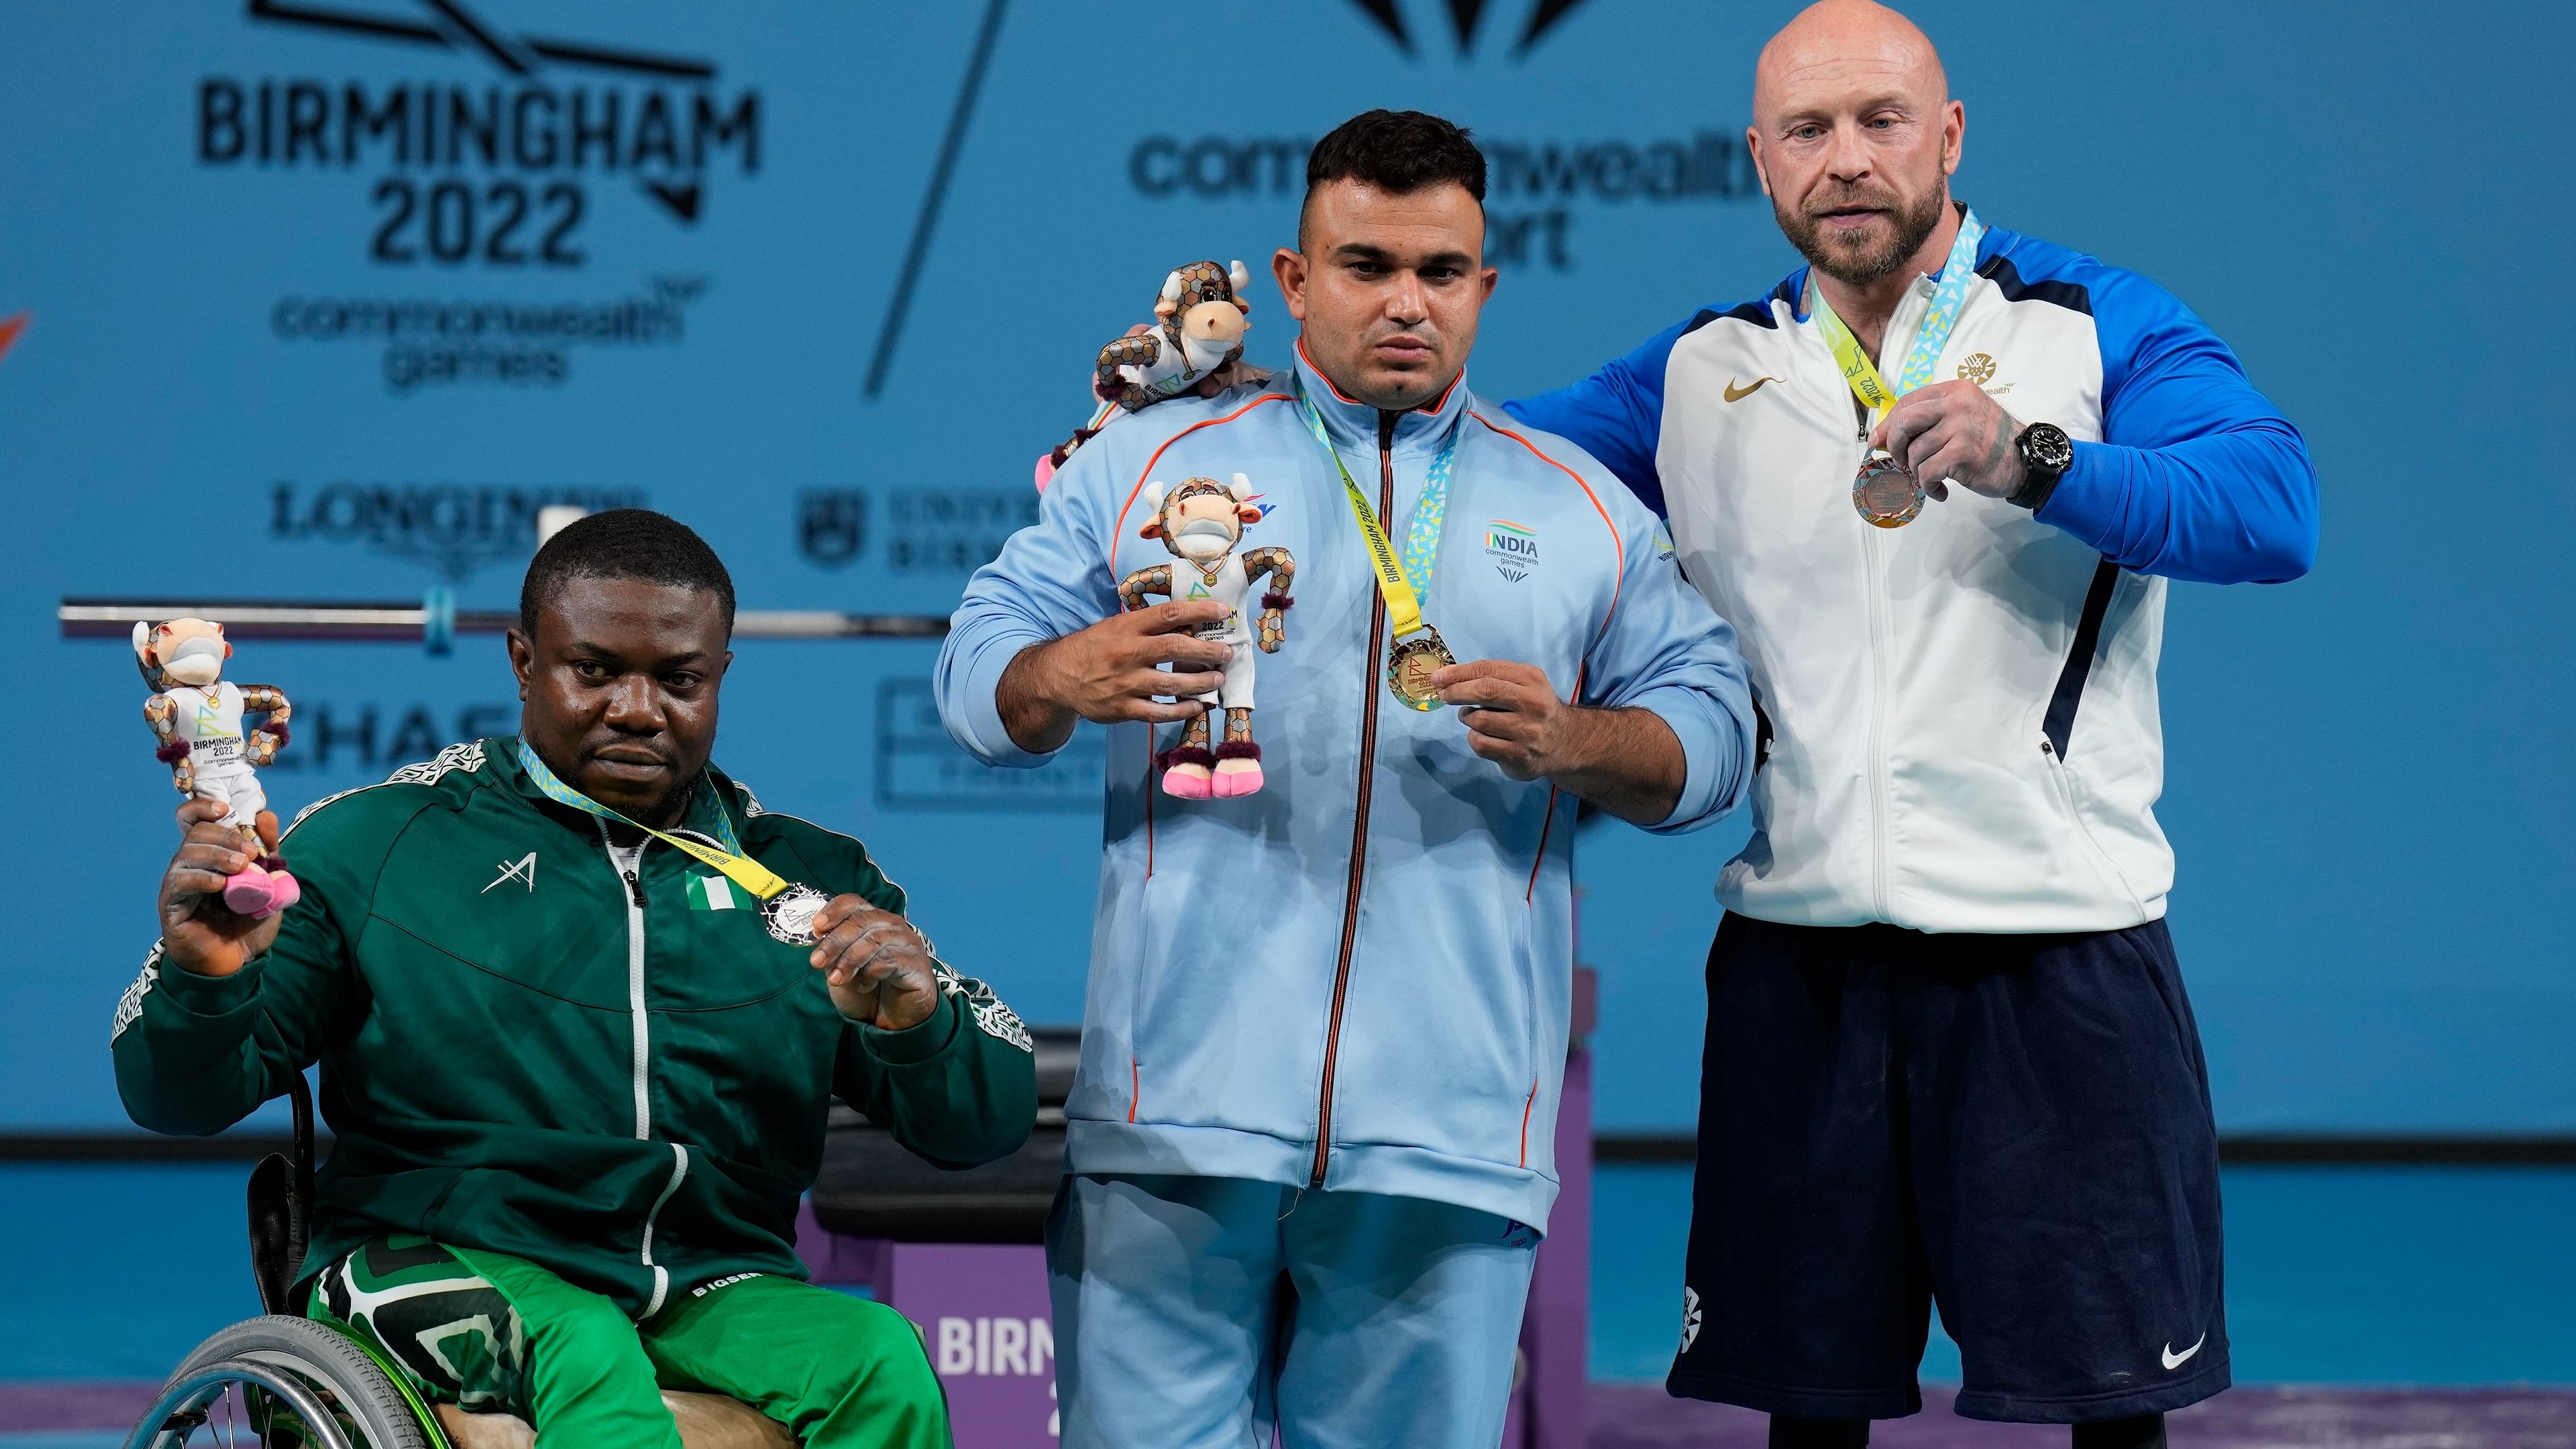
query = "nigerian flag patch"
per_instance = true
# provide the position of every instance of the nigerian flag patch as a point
(715, 893)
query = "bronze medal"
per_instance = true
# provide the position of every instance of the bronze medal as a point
(1409, 666)
(1885, 493)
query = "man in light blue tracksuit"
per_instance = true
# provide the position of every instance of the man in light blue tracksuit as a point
(1326, 1023)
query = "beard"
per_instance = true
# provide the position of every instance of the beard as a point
(1857, 263)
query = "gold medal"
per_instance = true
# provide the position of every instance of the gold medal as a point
(1885, 493)
(1409, 666)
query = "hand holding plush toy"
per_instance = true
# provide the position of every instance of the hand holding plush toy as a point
(1200, 522)
(1198, 328)
(197, 718)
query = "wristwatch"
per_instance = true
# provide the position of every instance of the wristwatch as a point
(2046, 454)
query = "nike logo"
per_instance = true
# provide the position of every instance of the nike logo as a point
(1739, 394)
(2175, 1360)
(525, 872)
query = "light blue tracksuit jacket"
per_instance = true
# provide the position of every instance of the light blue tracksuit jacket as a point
(1359, 977)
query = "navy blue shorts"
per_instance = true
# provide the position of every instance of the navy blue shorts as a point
(2014, 1127)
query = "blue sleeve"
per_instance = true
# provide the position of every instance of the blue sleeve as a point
(1050, 579)
(1666, 650)
(1616, 414)
(2198, 476)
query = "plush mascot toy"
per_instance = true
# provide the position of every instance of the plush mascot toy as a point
(1198, 328)
(197, 719)
(1201, 521)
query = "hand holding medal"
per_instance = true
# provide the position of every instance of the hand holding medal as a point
(880, 970)
(1885, 492)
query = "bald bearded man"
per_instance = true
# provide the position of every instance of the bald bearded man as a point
(1938, 479)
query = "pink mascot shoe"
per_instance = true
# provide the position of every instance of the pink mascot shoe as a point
(261, 890)
(1238, 769)
(1186, 775)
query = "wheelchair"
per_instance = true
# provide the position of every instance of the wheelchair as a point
(283, 1381)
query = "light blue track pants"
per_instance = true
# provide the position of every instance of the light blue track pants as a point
(1213, 1313)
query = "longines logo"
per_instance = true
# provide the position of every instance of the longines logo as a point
(453, 528)
(495, 172)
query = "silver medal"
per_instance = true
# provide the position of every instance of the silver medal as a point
(789, 915)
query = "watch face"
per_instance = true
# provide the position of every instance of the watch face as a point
(2046, 446)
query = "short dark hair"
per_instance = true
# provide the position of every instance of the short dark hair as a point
(1398, 152)
(623, 543)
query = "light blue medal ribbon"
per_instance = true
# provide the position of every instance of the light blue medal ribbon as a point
(1942, 313)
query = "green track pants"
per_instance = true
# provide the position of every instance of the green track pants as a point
(493, 1333)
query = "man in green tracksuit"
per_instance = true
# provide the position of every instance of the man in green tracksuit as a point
(577, 1082)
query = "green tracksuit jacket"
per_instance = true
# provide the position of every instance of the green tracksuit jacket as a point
(522, 1053)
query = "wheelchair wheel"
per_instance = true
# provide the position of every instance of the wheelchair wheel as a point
(282, 1383)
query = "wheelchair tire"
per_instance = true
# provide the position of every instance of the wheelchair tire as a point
(277, 1353)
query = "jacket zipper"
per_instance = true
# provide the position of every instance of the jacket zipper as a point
(1360, 821)
(1879, 648)
(627, 864)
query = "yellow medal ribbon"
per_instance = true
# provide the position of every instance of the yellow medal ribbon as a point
(742, 870)
(1858, 370)
(1403, 607)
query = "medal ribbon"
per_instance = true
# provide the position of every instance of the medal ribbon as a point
(1939, 316)
(737, 867)
(1403, 582)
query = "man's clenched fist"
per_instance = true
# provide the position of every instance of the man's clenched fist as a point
(1513, 717)
(1952, 432)
(878, 967)
(197, 932)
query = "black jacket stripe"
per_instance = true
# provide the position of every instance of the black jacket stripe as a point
(2079, 659)
(2000, 270)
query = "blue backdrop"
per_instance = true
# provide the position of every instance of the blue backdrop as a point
(323, 300)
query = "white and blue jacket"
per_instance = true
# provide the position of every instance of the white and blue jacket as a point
(1961, 720)
(1359, 977)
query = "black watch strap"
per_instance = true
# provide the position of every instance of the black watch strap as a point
(2035, 490)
